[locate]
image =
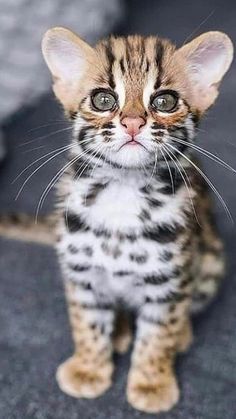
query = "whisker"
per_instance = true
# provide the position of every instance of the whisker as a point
(57, 177)
(199, 26)
(153, 170)
(38, 168)
(205, 152)
(66, 147)
(95, 166)
(84, 166)
(59, 121)
(97, 149)
(33, 149)
(208, 181)
(230, 143)
(168, 166)
(45, 136)
(110, 154)
(69, 147)
(177, 164)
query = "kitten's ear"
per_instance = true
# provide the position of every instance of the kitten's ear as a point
(67, 57)
(208, 57)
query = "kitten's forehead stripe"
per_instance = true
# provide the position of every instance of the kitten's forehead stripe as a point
(142, 50)
(159, 57)
(111, 60)
(136, 57)
(136, 67)
(122, 65)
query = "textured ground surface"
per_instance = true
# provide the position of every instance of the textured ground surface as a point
(35, 339)
(34, 334)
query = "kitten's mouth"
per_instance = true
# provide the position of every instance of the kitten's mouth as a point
(132, 143)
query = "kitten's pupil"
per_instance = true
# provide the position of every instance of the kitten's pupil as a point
(162, 102)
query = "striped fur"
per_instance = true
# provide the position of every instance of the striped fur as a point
(136, 229)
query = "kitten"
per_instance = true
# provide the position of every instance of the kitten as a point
(136, 229)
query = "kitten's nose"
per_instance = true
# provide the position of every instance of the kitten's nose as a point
(133, 124)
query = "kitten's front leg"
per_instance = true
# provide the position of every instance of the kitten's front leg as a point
(88, 372)
(163, 329)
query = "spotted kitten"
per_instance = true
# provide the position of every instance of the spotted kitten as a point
(136, 230)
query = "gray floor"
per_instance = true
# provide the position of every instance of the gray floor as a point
(34, 334)
(35, 338)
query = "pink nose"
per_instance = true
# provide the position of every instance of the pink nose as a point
(133, 124)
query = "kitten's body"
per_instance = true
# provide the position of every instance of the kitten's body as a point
(136, 230)
(113, 239)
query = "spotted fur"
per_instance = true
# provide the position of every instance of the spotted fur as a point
(136, 229)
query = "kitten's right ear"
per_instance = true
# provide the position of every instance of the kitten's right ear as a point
(67, 57)
(207, 58)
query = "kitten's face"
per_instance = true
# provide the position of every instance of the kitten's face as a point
(134, 98)
(136, 101)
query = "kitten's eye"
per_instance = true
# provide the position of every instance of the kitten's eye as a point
(165, 102)
(103, 101)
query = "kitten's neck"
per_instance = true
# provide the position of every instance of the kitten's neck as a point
(98, 168)
(136, 178)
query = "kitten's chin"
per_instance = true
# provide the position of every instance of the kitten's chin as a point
(131, 157)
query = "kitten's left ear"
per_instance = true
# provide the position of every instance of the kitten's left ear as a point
(208, 57)
(68, 58)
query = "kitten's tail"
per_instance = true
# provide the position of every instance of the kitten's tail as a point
(24, 227)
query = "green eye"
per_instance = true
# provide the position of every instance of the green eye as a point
(165, 102)
(103, 101)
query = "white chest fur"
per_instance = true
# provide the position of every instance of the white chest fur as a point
(117, 206)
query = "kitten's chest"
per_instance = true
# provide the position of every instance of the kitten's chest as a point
(115, 205)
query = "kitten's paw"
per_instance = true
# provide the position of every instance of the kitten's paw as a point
(79, 379)
(121, 343)
(152, 396)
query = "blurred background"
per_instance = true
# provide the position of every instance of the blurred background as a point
(35, 336)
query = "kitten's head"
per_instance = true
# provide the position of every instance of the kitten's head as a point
(133, 98)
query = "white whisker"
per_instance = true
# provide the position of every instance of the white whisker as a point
(60, 150)
(168, 166)
(40, 158)
(57, 176)
(177, 164)
(62, 121)
(84, 166)
(38, 168)
(153, 170)
(205, 152)
(45, 136)
(207, 180)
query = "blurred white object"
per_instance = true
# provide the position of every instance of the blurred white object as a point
(23, 74)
